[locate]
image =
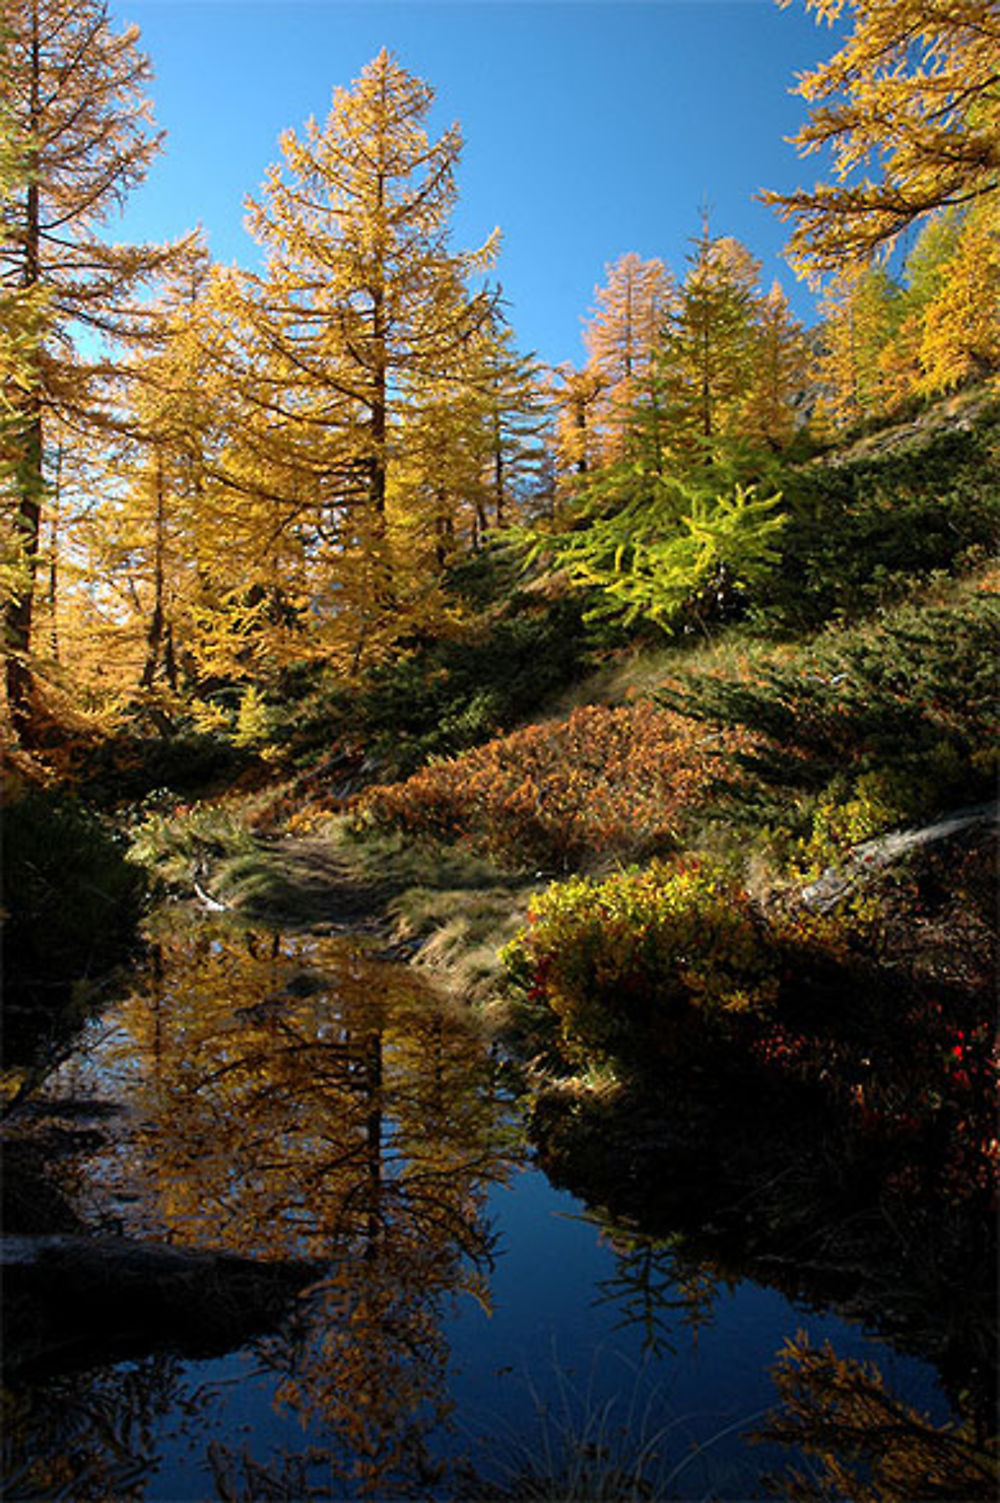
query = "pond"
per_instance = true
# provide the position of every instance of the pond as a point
(426, 1315)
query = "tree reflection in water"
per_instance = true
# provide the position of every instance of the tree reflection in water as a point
(862, 1443)
(292, 1097)
(89, 1435)
(660, 1289)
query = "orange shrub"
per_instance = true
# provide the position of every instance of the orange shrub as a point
(602, 783)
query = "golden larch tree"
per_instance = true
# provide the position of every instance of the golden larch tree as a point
(77, 138)
(923, 273)
(508, 390)
(575, 395)
(960, 334)
(858, 326)
(362, 299)
(622, 336)
(470, 452)
(142, 542)
(780, 363)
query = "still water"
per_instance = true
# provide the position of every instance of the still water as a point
(443, 1322)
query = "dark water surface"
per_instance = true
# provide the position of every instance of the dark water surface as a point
(441, 1321)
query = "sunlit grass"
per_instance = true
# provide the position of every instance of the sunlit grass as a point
(459, 932)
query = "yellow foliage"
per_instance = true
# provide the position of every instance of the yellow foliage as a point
(779, 372)
(914, 86)
(857, 330)
(622, 337)
(961, 327)
(357, 338)
(75, 135)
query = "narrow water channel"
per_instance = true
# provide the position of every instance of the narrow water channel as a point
(426, 1316)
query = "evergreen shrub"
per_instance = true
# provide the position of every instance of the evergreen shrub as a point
(859, 532)
(449, 695)
(128, 766)
(851, 733)
(440, 696)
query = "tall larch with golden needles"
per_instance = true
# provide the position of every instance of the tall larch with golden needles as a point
(508, 389)
(78, 137)
(707, 357)
(922, 277)
(362, 298)
(960, 337)
(622, 336)
(575, 396)
(859, 324)
(472, 451)
(143, 540)
(767, 414)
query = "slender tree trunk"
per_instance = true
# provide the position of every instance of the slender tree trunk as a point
(169, 657)
(499, 476)
(53, 600)
(444, 529)
(20, 607)
(373, 1143)
(382, 568)
(379, 419)
(154, 637)
(29, 469)
(580, 420)
(383, 595)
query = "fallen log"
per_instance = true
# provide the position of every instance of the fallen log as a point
(873, 856)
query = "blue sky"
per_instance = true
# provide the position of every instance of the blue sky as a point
(591, 129)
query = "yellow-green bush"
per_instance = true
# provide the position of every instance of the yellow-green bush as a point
(845, 817)
(641, 958)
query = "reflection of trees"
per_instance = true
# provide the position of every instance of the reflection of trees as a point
(89, 1435)
(292, 1093)
(786, 1198)
(865, 1445)
(657, 1288)
(297, 1099)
